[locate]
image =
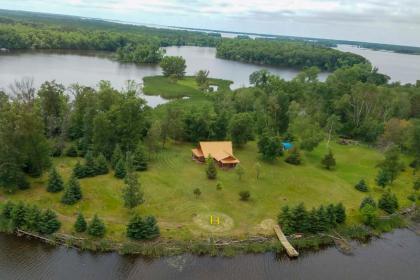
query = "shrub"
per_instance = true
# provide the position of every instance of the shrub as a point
(362, 186)
(244, 195)
(79, 171)
(416, 185)
(101, 165)
(367, 200)
(219, 186)
(412, 197)
(140, 158)
(197, 192)
(294, 157)
(239, 170)
(96, 227)
(383, 178)
(49, 222)
(71, 151)
(22, 183)
(7, 209)
(388, 202)
(369, 215)
(211, 170)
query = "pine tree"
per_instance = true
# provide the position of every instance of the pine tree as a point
(7, 209)
(362, 186)
(55, 183)
(79, 171)
(300, 218)
(22, 183)
(329, 161)
(120, 171)
(340, 213)
(117, 155)
(129, 163)
(73, 192)
(211, 170)
(140, 158)
(90, 165)
(369, 215)
(332, 219)
(294, 157)
(80, 225)
(139, 228)
(49, 223)
(132, 194)
(32, 217)
(322, 219)
(416, 184)
(285, 220)
(383, 178)
(313, 221)
(17, 215)
(96, 227)
(101, 165)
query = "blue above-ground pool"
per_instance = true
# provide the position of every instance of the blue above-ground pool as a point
(287, 146)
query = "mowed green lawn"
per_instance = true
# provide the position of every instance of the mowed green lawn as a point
(169, 183)
(186, 87)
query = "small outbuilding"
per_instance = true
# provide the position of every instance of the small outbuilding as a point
(287, 146)
(220, 151)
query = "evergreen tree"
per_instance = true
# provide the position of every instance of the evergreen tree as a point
(90, 165)
(140, 158)
(383, 178)
(340, 213)
(73, 192)
(329, 161)
(31, 218)
(120, 171)
(211, 170)
(129, 163)
(22, 183)
(322, 217)
(285, 220)
(117, 155)
(80, 225)
(362, 186)
(132, 194)
(388, 202)
(96, 227)
(17, 215)
(79, 171)
(7, 209)
(332, 218)
(294, 157)
(55, 183)
(367, 200)
(392, 164)
(139, 228)
(101, 165)
(300, 218)
(313, 221)
(49, 223)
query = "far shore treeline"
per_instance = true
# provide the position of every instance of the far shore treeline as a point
(139, 44)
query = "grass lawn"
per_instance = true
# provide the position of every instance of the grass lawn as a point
(169, 183)
(186, 87)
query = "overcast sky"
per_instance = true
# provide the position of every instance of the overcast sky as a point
(385, 21)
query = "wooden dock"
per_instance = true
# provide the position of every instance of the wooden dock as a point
(291, 252)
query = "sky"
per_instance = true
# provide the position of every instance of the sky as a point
(383, 21)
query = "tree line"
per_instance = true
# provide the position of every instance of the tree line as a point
(286, 54)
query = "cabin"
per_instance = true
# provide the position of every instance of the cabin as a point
(220, 151)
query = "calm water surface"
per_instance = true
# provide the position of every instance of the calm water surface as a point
(402, 68)
(395, 256)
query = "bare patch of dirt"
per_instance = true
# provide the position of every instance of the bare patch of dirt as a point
(226, 223)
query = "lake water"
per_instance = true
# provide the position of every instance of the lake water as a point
(395, 256)
(402, 68)
(88, 68)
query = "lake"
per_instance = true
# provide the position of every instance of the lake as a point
(88, 68)
(404, 68)
(394, 256)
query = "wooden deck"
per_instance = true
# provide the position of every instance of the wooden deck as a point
(291, 252)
